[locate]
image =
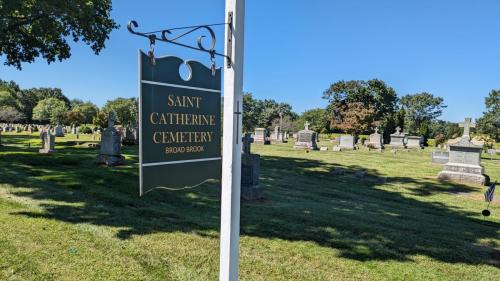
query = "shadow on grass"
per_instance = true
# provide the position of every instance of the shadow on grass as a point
(363, 214)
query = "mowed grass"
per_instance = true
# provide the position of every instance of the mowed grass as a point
(356, 215)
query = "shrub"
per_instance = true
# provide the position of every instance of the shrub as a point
(85, 130)
(488, 141)
(438, 140)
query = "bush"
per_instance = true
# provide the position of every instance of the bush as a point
(85, 130)
(438, 140)
(488, 141)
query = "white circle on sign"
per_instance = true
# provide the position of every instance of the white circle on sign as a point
(185, 71)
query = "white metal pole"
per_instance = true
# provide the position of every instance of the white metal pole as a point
(231, 140)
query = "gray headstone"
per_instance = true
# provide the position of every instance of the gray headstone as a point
(375, 140)
(58, 131)
(306, 139)
(464, 163)
(110, 149)
(414, 142)
(260, 136)
(398, 139)
(48, 142)
(440, 157)
(347, 142)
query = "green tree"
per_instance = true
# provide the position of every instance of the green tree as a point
(448, 130)
(317, 118)
(126, 110)
(374, 94)
(36, 28)
(489, 123)
(251, 112)
(74, 117)
(88, 110)
(10, 114)
(263, 113)
(7, 99)
(100, 119)
(420, 110)
(50, 109)
(29, 98)
(73, 103)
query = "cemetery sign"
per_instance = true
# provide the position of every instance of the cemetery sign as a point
(180, 123)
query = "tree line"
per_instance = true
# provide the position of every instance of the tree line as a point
(51, 106)
(356, 107)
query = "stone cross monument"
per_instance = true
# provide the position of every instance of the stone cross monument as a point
(467, 125)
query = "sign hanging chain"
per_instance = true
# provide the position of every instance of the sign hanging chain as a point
(151, 52)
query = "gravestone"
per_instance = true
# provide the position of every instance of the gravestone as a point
(30, 129)
(48, 142)
(306, 139)
(260, 136)
(414, 142)
(18, 129)
(128, 136)
(250, 171)
(110, 150)
(398, 139)
(58, 131)
(346, 142)
(440, 157)
(276, 134)
(464, 164)
(375, 140)
(73, 130)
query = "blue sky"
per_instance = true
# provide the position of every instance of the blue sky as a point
(295, 49)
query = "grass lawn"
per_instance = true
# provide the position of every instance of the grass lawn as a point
(64, 218)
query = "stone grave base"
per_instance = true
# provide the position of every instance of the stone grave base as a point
(396, 146)
(373, 145)
(462, 177)
(46, 151)
(250, 193)
(304, 145)
(463, 173)
(110, 160)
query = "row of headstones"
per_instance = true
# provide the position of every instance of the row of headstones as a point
(58, 130)
(261, 136)
(376, 141)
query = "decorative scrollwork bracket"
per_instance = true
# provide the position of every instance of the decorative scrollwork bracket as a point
(166, 35)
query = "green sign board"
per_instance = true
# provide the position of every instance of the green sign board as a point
(180, 123)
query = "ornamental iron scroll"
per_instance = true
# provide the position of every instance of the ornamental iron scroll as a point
(167, 35)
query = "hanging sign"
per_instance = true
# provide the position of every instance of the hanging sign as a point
(180, 123)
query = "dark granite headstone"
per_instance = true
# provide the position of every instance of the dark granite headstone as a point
(250, 172)
(306, 139)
